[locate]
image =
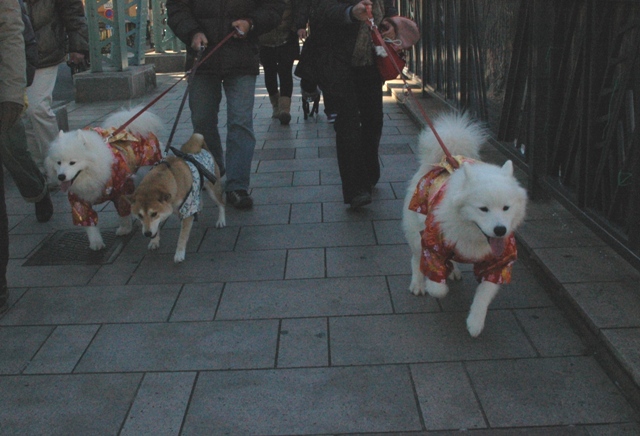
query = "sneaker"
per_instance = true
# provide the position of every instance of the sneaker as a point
(331, 118)
(361, 199)
(239, 199)
(44, 209)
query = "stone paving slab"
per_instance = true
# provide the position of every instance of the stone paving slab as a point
(66, 404)
(303, 401)
(160, 404)
(554, 391)
(304, 298)
(384, 339)
(93, 305)
(212, 267)
(181, 346)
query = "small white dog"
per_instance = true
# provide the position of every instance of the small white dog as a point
(465, 215)
(95, 167)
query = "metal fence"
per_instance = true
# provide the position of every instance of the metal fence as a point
(558, 82)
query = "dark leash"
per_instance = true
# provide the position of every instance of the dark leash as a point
(201, 168)
(192, 74)
(374, 29)
(155, 100)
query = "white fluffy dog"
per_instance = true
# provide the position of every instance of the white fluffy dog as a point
(463, 215)
(94, 167)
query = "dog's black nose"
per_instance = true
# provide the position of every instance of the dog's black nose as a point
(147, 234)
(61, 177)
(499, 230)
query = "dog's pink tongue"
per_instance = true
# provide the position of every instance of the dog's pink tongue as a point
(497, 246)
(64, 186)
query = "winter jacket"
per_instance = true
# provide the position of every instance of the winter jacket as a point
(285, 32)
(61, 28)
(12, 58)
(335, 38)
(238, 56)
(30, 44)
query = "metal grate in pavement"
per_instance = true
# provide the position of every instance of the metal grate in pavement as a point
(72, 248)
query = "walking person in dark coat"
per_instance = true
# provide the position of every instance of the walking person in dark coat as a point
(234, 67)
(344, 63)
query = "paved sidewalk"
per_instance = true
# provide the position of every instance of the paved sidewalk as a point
(295, 318)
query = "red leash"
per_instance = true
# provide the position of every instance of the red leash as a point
(188, 73)
(454, 163)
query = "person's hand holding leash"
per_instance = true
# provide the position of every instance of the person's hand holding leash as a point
(199, 40)
(359, 11)
(242, 26)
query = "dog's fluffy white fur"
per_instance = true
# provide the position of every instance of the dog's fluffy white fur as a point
(481, 202)
(83, 157)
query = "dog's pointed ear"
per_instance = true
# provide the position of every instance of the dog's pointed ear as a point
(507, 168)
(131, 198)
(466, 168)
(164, 197)
(82, 134)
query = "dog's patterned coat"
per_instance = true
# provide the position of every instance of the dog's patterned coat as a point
(130, 152)
(437, 254)
(192, 204)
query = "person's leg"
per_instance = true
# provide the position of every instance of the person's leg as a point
(241, 140)
(41, 123)
(29, 180)
(18, 161)
(205, 94)
(348, 129)
(4, 246)
(286, 56)
(369, 92)
(269, 63)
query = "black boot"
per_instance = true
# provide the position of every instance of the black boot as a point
(44, 209)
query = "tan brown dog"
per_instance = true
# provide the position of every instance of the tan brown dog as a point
(174, 186)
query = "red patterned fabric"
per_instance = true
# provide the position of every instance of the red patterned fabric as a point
(130, 152)
(437, 254)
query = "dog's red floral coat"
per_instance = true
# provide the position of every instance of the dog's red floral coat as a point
(437, 254)
(130, 152)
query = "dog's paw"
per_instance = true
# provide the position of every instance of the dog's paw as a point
(121, 231)
(179, 256)
(95, 238)
(126, 226)
(154, 244)
(456, 274)
(475, 324)
(221, 223)
(437, 290)
(97, 245)
(417, 287)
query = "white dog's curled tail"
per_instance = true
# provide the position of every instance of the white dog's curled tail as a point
(461, 135)
(144, 124)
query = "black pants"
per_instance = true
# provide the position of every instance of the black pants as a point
(4, 233)
(278, 63)
(357, 95)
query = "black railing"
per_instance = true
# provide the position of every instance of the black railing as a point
(558, 82)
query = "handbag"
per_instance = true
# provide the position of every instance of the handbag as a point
(388, 61)
(398, 34)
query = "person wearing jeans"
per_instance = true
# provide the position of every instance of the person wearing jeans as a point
(233, 67)
(204, 101)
